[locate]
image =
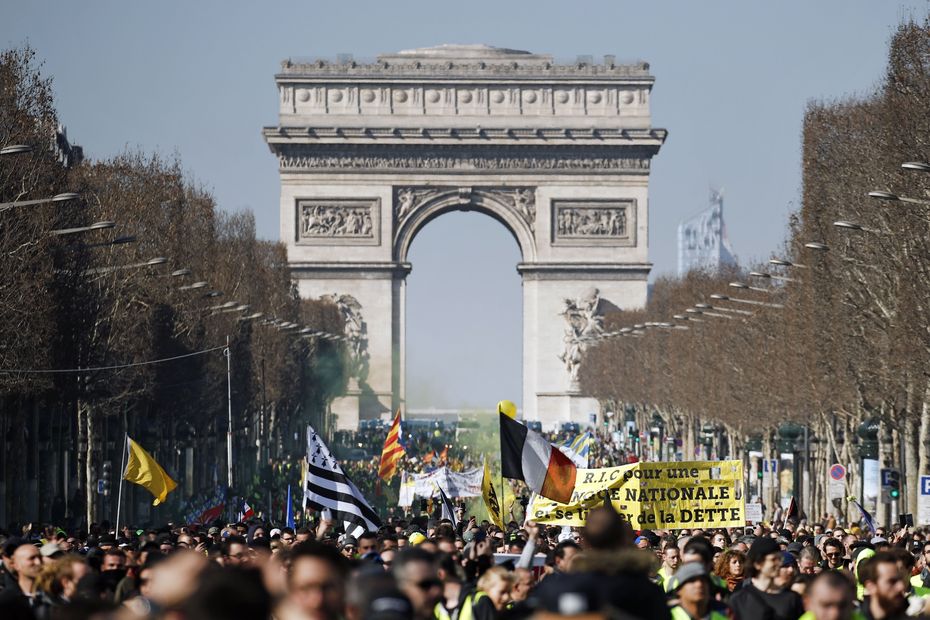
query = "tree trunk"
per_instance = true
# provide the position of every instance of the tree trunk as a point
(923, 441)
(90, 469)
(911, 473)
(81, 451)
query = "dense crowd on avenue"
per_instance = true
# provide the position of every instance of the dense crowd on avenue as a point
(428, 448)
(425, 568)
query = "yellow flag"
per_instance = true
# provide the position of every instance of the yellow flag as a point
(143, 470)
(490, 497)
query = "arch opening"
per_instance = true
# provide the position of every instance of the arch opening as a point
(464, 320)
(493, 203)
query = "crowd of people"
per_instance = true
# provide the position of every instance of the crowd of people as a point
(424, 568)
(429, 445)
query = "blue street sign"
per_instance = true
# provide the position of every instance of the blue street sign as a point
(886, 477)
(925, 485)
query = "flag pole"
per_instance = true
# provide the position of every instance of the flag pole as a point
(122, 474)
(500, 452)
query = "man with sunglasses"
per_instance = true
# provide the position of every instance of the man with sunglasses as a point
(418, 578)
(833, 553)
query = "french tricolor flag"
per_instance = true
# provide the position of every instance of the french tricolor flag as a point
(247, 512)
(527, 456)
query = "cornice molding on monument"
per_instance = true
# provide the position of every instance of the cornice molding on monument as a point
(476, 61)
(607, 159)
(457, 135)
(519, 200)
(308, 270)
(584, 271)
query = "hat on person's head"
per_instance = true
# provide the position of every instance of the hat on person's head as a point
(787, 559)
(107, 539)
(50, 550)
(688, 572)
(349, 541)
(389, 606)
(569, 595)
(878, 540)
(416, 538)
(761, 547)
(795, 548)
(274, 532)
(213, 531)
(640, 539)
(468, 536)
(652, 537)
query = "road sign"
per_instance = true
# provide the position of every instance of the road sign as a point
(891, 485)
(836, 484)
(923, 501)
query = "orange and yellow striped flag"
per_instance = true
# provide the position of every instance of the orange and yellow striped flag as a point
(392, 452)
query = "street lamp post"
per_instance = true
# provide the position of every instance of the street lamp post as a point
(752, 302)
(229, 421)
(63, 197)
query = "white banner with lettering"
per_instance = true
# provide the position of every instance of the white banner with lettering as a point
(453, 483)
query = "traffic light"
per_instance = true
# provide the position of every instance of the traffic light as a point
(894, 484)
(105, 478)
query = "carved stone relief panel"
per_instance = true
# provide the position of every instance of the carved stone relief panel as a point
(331, 221)
(598, 222)
(521, 200)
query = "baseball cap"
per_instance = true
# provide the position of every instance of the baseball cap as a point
(688, 572)
(416, 538)
(49, 550)
(389, 606)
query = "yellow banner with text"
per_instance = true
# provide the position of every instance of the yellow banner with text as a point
(678, 495)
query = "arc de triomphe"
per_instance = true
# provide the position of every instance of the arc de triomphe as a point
(558, 153)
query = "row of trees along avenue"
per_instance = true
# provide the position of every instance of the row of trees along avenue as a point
(153, 270)
(840, 343)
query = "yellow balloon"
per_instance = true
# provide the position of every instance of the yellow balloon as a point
(507, 408)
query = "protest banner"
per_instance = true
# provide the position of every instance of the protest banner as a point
(674, 495)
(454, 483)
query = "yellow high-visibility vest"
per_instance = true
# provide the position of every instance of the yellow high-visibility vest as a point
(463, 611)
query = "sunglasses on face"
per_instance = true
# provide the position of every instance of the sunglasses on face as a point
(428, 584)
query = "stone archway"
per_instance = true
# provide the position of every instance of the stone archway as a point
(514, 207)
(560, 154)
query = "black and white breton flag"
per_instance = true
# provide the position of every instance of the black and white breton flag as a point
(448, 510)
(327, 487)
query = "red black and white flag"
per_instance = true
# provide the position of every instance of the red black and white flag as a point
(527, 456)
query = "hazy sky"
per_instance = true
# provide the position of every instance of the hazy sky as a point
(732, 81)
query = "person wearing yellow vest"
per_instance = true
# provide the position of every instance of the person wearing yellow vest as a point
(885, 587)
(671, 560)
(484, 603)
(691, 586)
(830, 596)
(922, 579)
